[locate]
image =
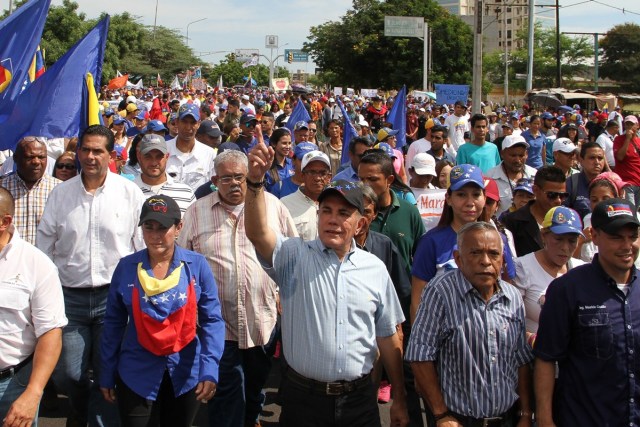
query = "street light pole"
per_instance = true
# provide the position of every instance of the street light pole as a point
(192, 22)
(155, 21)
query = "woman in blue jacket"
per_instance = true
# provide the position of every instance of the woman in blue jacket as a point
(163, 331)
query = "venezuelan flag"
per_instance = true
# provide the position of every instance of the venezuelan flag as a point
(37, 65)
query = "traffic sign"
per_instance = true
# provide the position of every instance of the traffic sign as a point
(297, 55)
(244, 55)
(271, 42)
(403, 26)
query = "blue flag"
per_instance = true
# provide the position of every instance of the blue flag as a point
(20, 35)
(56, 104)
(348, 133)
(298, 114)
(398, 117)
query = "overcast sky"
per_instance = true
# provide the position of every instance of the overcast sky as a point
(234, 24)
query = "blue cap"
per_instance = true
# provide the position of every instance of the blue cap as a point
(109, 112)
(140, 115)
(154, 126)
(300, 125)
(547, 115)
(524, 184)
(118, 119)
(118, 149)
(248, 117)
(462, 175)
(189, 110)
(562, 220)
(303, 148)
(386, 148)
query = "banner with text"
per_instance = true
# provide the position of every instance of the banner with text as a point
(430, 204)
(449, 94)
(368, 93)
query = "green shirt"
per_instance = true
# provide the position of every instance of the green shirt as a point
(403, 225)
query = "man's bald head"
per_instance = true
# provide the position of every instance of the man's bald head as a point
(7, 206)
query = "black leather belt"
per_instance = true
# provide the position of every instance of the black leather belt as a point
(12, 370)
(336, 388)
(498, 421)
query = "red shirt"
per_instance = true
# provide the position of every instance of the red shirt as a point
(629, 168)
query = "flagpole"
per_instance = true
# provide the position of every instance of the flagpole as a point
(10, 7)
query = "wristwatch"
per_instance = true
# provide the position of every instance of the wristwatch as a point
(438, 417)
(258, 184)
(525, 414)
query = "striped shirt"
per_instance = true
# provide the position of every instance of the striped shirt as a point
(247, 294)
(181, 193)
(29, 202)
(477, 347)
(332, 311)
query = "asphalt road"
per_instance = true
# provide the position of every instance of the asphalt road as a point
(268, 418)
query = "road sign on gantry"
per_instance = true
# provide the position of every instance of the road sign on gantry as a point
(403, 26)
(297, 55)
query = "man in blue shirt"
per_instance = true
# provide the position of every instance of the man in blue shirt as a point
(593, 162)
(357, 147)
(590, 328)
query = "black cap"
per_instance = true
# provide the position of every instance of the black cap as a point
(612, 214)
(210, 128)
(160, 208)
(349, 191)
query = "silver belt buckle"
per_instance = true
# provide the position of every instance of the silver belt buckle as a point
(332, 389)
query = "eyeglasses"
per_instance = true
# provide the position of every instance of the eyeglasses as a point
(229, 179)
(313, 130)
(250, 124)
(552, 195)
(264, 122)
(321, 174)
(68, 166)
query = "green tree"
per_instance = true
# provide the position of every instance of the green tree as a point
(621, 51)
(574, 51)
(354, 51)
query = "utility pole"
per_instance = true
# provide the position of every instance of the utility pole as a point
(595, 59)
(558, 57)
(532, 21)
(155, 21)
(477, 58)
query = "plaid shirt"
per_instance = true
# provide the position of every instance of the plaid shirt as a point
(29, 202)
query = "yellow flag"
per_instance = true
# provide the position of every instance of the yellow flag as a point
(93, 107)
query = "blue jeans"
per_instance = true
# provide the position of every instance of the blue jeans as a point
(239, 397)
(78, 369)
(12, 387)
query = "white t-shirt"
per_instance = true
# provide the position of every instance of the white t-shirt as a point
(532, 280)
(457, 127)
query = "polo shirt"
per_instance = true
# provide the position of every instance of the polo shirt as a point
(629, 167)
(484, 156)
(403, 224)
(284, 171)
(592, 329)
(536, 147)
(304, 212)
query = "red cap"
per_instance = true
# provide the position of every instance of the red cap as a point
(491, 189)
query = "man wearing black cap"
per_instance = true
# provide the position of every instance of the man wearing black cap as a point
(250, 130)
(209, 134)
(330, 334)
(590, 327)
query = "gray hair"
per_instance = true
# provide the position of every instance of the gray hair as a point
(368, 193)
(231, 156)
(477, 226)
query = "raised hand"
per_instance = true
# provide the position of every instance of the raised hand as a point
(260, 161)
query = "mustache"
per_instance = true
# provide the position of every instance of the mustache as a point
(235, 188)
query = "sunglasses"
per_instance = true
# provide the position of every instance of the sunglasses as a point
(313, 130)
(67, 166)
(250, 124)
(264, 122)
(552, 195)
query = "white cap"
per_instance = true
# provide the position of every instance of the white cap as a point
(332, 100)
(116, 93)
(131, 99)
(245, 97)
(313, 156)
(512, 140)
(565, 145)
(424, 164)
(363, 122)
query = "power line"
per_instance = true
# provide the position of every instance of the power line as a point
(622, 9)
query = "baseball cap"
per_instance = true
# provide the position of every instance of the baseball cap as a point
(562, 220)
(464, 174)
(547, 115)
(118, 119)
(613, 178)
(513, 140)
(189, 110)
(152, 142)
(460, 104)
(631, 118)
(388, 150)
(349, 191)
(315, 156)
(524, 184)
(303, 148)
(300, 125)
(245, 97)
(160, 208)
(491, 189)
(507, 125)
(131, 108)
(429, 124)
(612, 214)
(363, 123)
(228, 146)
(572, 126)
(131, 99)
(154, 126)
(210, 128)
(109, 112)
(565, 145)
(141, 115)
(424, 164)
(385, 133)
(247, 118)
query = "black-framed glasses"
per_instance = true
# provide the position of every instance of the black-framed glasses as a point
(67, 166)
(552, 195)
(229, 179)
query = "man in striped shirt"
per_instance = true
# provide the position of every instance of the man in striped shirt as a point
(153, 179)
(467, 347)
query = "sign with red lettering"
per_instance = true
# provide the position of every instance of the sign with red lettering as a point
(430, 204)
